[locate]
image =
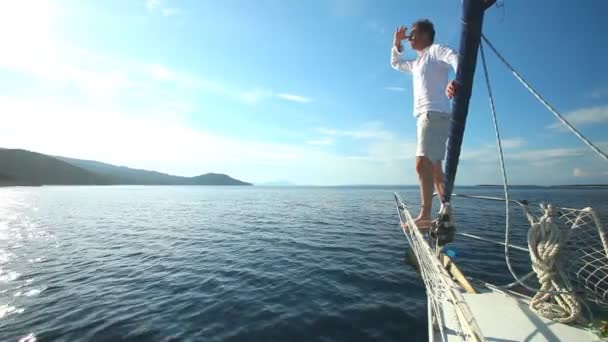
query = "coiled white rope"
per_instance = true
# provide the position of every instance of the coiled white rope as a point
(544, 242)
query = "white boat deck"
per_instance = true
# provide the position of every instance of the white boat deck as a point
(502, 317)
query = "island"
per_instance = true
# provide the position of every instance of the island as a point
(20, 167)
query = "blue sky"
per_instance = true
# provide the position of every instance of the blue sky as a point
(300, 91)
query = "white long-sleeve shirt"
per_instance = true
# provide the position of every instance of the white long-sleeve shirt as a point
(430, 76)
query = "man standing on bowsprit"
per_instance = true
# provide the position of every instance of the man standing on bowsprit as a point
(432, 94)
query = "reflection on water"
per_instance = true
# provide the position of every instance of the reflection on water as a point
(229, 263)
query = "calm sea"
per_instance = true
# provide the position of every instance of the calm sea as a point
(230, 263)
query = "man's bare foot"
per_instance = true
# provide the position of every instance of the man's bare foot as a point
(423, 223)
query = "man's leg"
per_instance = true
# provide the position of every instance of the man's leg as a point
(438, 178)
(424, 168)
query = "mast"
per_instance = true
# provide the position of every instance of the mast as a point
(470, 37)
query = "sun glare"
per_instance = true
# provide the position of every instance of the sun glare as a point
(25, 31)
(25, 20)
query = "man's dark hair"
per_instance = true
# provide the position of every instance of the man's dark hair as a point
(425, 25)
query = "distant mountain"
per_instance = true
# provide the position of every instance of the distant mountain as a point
(126, 175)
(12, 181)
(216, 178)
(20, 167)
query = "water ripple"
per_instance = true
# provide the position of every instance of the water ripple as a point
(221, 264)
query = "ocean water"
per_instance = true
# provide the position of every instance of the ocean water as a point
(231, 263)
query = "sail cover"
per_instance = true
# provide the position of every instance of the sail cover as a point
(472, 19)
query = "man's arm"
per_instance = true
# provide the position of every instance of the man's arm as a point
(396, 61)
(447, 55)
(450, 57)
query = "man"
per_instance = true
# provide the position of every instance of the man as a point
(431, 106)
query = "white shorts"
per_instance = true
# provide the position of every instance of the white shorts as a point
(432, 131)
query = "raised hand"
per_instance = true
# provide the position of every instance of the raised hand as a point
(400, 34)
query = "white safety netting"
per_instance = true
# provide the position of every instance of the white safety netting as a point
(569, 254)
(585, 254)
(446, 302)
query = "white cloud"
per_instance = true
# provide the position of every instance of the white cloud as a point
(388, 151)
(545, 155)
(69, 70)
(377, 145)
(531, 166)
(165, 142)
(152, 5)
(370, 130)
(599, 93)
(27, 37)
(35, 52)
(543, 166)
(395, 88)
(95, 76)
(579, 172)
(253, 96)
(488, 152)
(168, 144)
(249, 96)
(168, 12)
(26, 21)
(482, 154)
(152, 134)
(100, 77)
(584, 116)
(161, 7)
(325, 141)
(513, 142)
(161, 73)
(293, 97)
(127, 138)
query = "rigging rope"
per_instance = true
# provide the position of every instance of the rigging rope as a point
(502, 161)
(544, 102)
(568, 308)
